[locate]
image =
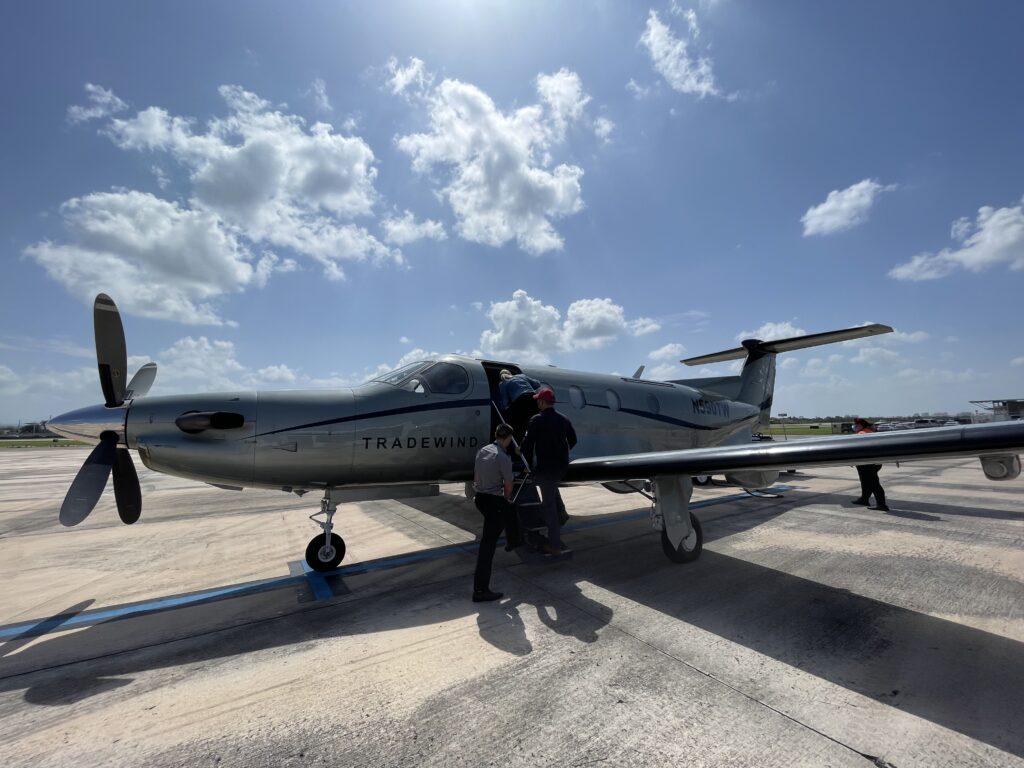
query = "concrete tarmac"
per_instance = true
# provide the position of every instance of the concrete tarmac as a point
(810, 632)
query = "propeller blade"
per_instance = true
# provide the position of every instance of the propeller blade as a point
(89, 483)
(126, 488)
(141, 381)
(111, 354)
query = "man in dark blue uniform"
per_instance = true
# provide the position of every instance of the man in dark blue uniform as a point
(549, 438)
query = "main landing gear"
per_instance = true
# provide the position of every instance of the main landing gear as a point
(326, 551)
(682, 537)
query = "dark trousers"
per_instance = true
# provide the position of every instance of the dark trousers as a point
(519, 413)
(870, 484)
(499, 516)
(551, 506)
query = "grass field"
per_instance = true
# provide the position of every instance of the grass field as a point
(40, 444)
(823, 428)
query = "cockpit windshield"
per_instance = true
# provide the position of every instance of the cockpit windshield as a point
(398, 376)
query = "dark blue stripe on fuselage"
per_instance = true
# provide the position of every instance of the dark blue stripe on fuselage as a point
(379, 414)
(481, 403)
(671, 420)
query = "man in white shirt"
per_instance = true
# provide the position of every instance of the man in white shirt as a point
(492, 476)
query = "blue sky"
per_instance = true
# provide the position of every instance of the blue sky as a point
(298, 196)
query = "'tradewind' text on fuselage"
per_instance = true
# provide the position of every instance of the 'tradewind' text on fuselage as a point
(393, 443)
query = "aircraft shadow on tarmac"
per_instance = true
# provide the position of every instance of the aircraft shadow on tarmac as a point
(920, 510)
(956, 676)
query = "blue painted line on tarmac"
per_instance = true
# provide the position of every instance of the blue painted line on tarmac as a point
(34, 629)
(316, 581)
(321, 589)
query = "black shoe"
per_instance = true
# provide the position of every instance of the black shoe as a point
(880, 508)
(509, 546)
(485, 595)
(861, 501)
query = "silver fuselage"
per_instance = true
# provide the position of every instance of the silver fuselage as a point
(379, 434)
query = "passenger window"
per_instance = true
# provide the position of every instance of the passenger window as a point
(614, 402)
(577, 398)
(446, 379)
(653, 405)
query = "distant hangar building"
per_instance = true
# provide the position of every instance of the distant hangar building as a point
(1002, 410)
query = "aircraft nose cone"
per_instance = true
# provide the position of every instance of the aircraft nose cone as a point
(89, 423)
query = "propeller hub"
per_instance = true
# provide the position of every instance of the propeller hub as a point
(89, 423)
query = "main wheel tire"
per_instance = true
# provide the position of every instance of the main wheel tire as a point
(689, 548)
(322, 558)
(701, 479)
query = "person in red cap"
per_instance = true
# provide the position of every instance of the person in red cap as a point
(549, 438)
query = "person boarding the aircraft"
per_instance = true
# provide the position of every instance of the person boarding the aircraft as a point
(492, 476)
(868, 473)
(549, 438)
(515, 398)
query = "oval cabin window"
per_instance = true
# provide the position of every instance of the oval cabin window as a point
(577, 398)
(614, 402)
(653, 405)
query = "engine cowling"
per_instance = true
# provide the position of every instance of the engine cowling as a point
(1006, 467)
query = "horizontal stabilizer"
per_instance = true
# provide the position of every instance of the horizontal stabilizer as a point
(788, 345)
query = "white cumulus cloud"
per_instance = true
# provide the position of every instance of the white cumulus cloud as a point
(663, 372)
(638, 91)
(603, 128)
(563, 94)
(318, 93)
(996, 236)
(260, 179)
(843, 208)
(269, 175)
(771, 331)
(501, 183)
(155, 257)
(413, 78)
(875, 356)
(667, 352)
(673, 60)
(404, 229)
(102, 103)
(526, 329)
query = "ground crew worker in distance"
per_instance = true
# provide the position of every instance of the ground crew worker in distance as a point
(870, 485)
(549, 438)
(492, 476)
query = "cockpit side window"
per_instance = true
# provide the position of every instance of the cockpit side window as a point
(446, 379)
(396, 377)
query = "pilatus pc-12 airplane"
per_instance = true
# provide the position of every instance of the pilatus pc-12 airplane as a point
(403, 433)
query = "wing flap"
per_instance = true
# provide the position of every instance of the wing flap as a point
(948, 442)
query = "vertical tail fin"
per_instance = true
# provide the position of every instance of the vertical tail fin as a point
(757, 380)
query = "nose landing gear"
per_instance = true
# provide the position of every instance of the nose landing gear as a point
(325, 551)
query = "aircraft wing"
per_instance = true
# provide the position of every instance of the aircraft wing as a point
(878, 448)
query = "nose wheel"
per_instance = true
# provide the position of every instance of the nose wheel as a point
(326, 551)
